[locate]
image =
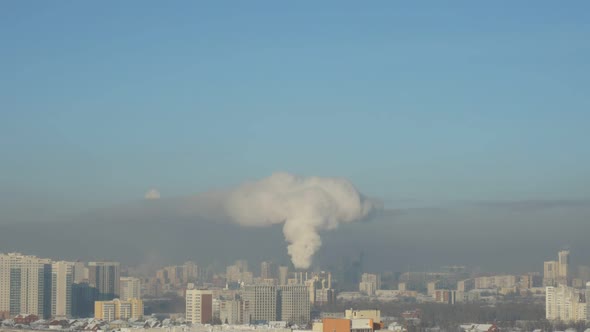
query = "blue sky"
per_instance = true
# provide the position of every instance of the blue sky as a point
(101, 101)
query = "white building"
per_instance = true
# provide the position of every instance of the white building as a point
(62, 277)
(25, 285)
(130, 288)
(230, 312)
(565, 303)
(370, 283)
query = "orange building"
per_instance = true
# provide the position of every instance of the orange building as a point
(336, 325)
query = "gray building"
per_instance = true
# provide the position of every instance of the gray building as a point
(294, 303)
(262, 301)
(105, 276)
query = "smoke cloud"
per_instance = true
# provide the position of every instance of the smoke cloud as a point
(304, 205)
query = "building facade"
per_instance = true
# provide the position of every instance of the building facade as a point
(105, 277)
(283, 275)
(62, 277)
(294, 304)
(500, 281)
(118, 309)
(130, 288)
(565, 303)
(25, 285)
(199, 306)
(262, 301)
(369, 283)
(267, 270)
(563, 276)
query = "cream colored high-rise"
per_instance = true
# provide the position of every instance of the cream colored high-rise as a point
(130, 288)
(25, 284)
(550, 273)
(199, 306)
(564, 303)
(62, 276)
(370, 283)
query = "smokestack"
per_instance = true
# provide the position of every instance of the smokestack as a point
(304, 205)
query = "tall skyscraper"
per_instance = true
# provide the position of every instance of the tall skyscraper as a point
(25, 285)
(130, 288)
(199, 306)
(104, 276)
(83, 297)
(62, 277)
(262, 300)
(564, 266)
(294, 304)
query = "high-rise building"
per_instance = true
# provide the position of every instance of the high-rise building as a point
(83, 297)
(564, 267)
(62, 277)
(262, 301)
(25, 285)
(80, 272)
(565, 303)
(118, 309)
(104, 276)
(294, 304)
(283, 275)
(130, 288)
(267, 270)
(199, 306)
(550, 273)
(370, 283)
(230, 312)
(190, 272)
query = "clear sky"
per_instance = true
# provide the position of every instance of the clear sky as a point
(102, 100)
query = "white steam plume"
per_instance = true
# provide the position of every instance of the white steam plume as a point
(305, 205)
